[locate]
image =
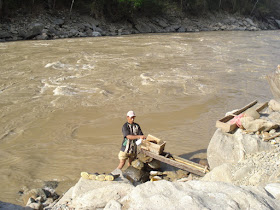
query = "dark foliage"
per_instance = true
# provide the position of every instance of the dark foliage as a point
(125, 9)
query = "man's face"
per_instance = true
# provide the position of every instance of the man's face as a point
(130, 120)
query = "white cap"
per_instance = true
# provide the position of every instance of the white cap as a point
(130, 114)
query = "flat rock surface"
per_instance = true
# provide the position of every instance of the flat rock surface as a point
(88, 194)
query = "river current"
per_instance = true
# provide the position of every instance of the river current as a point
(63, 102)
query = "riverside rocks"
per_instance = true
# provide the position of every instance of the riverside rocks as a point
(41, 197)
(246, 159)
(232, 148)
(256, 169)
(58, 25)
(88, 194)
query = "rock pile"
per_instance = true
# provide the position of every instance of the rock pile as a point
(256, 169)
(59, 25)
(244, 158)
(41, 197)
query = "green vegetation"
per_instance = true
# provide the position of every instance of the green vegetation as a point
(125, 9)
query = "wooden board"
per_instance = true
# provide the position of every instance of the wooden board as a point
(187, 167)
(153, 144)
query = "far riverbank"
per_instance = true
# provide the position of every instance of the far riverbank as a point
(58, 24)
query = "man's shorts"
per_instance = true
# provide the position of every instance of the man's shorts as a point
(124, 155)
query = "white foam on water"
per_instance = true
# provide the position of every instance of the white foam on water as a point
(92, 90)
(146, 79)
(230, 70)
(3, 46)
(45, 86)
(87, 67)
(41, 44)
(62, 66)
(64, 91)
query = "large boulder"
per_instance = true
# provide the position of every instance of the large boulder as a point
(197, 195)
(232, 148)
(89, 194)
(34, 29)
(257, 169)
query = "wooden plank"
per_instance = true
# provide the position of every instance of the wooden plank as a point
(262, 106)
(272, 137)
(173, 163)
(190, 163)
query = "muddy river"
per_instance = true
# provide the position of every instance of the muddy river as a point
(63, 102)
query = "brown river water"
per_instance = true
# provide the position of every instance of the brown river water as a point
(63, 102)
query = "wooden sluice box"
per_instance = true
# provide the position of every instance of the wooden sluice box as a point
(224, 123)
(153, 144)
(154, 148)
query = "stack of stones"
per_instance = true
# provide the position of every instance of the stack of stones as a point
(40, 198)
(145, 169)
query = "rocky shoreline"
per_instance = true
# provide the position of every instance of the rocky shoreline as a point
(58, 25)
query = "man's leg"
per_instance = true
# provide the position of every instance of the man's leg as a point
(130, 159)
(122, 162)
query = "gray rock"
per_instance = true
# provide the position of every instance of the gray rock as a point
(96, 33)
(232, 148)
(137, 164)
(113, 205)
(135, 175)
(242, 172)
(197, 195)
(278, 23)
(274, 190)
(221, 173)
(142, 25)
(34, 30)
(154, 164)
(58, 22)
(5, 34)
(89, 194)
(43, 36)
(73, 33)
(250, 22)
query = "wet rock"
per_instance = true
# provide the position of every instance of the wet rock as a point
(154, 164)
(36, 206)
(136, 175)
(144, 158)
(137, 164)
(43, 36)
(48, 201)
(34, 193)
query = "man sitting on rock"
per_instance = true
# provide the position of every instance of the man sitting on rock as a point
(131, 132)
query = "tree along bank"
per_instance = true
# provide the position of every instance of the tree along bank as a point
(59, 25)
